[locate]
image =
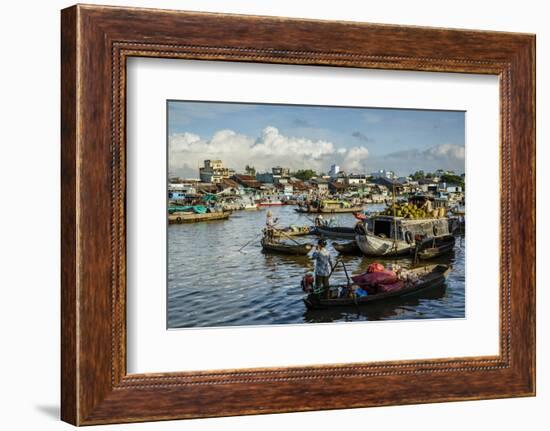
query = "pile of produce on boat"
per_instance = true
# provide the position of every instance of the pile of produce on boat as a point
(412, 211)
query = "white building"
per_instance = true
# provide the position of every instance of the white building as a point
(382, 173)
(356, 179)
(334, 171)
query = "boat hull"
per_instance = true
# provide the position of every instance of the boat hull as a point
(442, 246)
(290, 249)
(372, 245)
(340, 210)
(349, 248)
(179, 218)
(336, 232)
(329, 210)
(435, 278)
(271, 204)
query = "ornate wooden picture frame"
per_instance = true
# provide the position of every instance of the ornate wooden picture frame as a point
(96, 42)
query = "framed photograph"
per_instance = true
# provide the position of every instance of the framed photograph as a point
(265, 215)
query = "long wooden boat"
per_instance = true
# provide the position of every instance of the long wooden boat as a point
(284, 248)
(270, 203)
(436, 247)
(430, 276)
(191, 217)
(347, 248)
(327, 210)
(336, 231)
(335, 210)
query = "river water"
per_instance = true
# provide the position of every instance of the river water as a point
(212, 283)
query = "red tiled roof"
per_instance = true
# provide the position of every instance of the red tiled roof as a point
(247, 181)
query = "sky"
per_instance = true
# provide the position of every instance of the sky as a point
(359, 140)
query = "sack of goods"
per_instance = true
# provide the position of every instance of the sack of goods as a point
(375, 267)
(376, 274)
(387, 288)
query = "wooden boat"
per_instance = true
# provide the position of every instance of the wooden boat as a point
(337, 210)
(250, 207)
(373, 245)
(395, 236)
(430, 276)
(348, 248)
(327, 206)
(336, 231)
(292, 231)
(285, 248)
(327, 210)
(435, 247)
(270, 202)
(191, 217)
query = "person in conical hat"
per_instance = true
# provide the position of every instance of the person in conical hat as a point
(270, 223)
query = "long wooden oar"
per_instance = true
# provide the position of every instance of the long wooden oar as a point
(334, 267)
(285, 234)
(253, 239)
(346, 271)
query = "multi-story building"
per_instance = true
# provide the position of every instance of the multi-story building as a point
(213, 171)
(357, 179)
(280, 171)
(334, 171)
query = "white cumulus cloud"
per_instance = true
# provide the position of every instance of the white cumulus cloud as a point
(188, 151)
(450, 151)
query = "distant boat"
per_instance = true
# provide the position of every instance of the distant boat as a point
(327, 206)
(250, 207)
(430, 276)
(191, 217)
(270, 202)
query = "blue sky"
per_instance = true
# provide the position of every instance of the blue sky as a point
(358, 139)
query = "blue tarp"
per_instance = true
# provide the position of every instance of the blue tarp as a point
(197, 209)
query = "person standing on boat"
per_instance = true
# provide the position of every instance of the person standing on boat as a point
(270, 224)
(319, 221)
(323, 266)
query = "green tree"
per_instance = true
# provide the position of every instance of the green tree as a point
(304, 174)
(418, 175)
(452, 179)
(250, 170)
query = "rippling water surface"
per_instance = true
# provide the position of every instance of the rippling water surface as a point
(211, 283)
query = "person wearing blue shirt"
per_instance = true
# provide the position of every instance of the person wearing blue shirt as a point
(323, 266)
